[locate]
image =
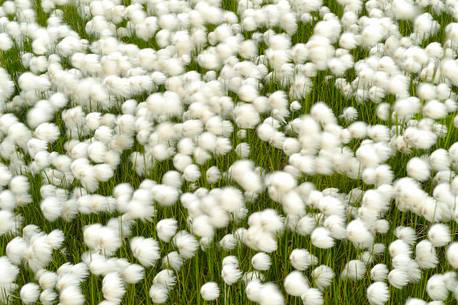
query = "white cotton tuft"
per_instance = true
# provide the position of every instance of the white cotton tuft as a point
(322, 276)
(415, 301)
(209, 291)
(145, 250)
(113, 287)
(354, 270)
(51, 208)
(439, 235)
(228, 242)
(29, 293)
(159, 294)
(407, 234)
(452, 255)
(312, 296)
(305, 225)
(261, 261)
(16, 250)
(425, 255)
(321, 238)
(379, 273)
(377, 293)
(436, 287)
(166, 278)
(191, 173)
(166, 229)
(71, 295)
(295, 284)
(271, 295)
(301, 259)
(230, 273)
(47, 279)
(398, 278)
(48, 296)
(9, 271)
(359, 235)
(133, 274)
(186, 244)
(172, 260)
(418, 169)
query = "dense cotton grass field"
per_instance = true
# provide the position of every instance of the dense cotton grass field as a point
(228, 152)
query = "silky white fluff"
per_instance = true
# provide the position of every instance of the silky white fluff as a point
(98, 237)
(16, 250)
(186, 244)
(452, 254)
(270, 295)
(209, 291)
(253, 290)
(48, 296)
(398, 278)
(439, 160)
(418, 169)
(165, 278)
(29, 293)
(415, 301)
(113, 287)
(398, 247)
(261, 261)
(145, 250)
(159, 294)
(166, 229)
(322, 276)
(301, 259)
(321, 238)
(228, 242)
(425, 255)
(191, 173)
(230, 273)
(172, 260)
(47, 279)
(354, 270)
(133, 274)
(359, 235)
(71, 295)
(379, 273)
(51, 208)
(312, 296)
(377, 293)
(306, 225)
(436, 287)
(439, 235)
(9, 222)
(407, 234)
(295, 284)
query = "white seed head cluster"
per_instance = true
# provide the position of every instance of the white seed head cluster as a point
(293, 145)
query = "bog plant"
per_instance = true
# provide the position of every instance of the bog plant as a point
(228, 152)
